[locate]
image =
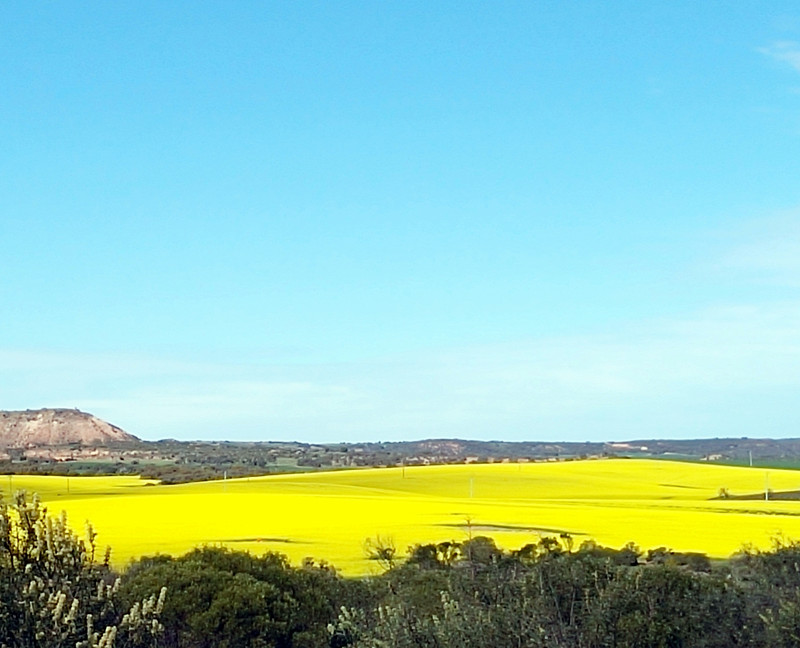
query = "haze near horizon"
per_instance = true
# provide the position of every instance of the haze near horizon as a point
(345, 222)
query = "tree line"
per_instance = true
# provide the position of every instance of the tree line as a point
(56, 592)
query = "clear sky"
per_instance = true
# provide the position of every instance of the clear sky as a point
(331, 221)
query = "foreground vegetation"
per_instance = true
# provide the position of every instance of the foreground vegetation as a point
(327, 515)
(54, 593)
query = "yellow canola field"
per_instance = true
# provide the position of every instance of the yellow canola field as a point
(329, 515)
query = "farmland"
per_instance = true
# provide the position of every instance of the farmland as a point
(329, 515)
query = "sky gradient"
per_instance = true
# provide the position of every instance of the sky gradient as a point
(374, 221)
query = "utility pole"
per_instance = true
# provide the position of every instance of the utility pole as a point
(766, 486)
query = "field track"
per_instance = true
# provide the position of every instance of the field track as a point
(329, 515)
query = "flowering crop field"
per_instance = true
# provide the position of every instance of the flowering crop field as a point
(329, 515)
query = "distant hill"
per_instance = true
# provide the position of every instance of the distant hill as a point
(71, 442)
(57, 427)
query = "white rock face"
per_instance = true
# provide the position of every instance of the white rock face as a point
(54, 427)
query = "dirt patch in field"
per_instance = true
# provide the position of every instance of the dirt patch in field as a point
(510, 527)
(281, 540)
(773, 495)
(744, 511)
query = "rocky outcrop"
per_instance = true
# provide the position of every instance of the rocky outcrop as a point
(57, 427)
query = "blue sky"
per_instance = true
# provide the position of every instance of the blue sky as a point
(369, 221)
